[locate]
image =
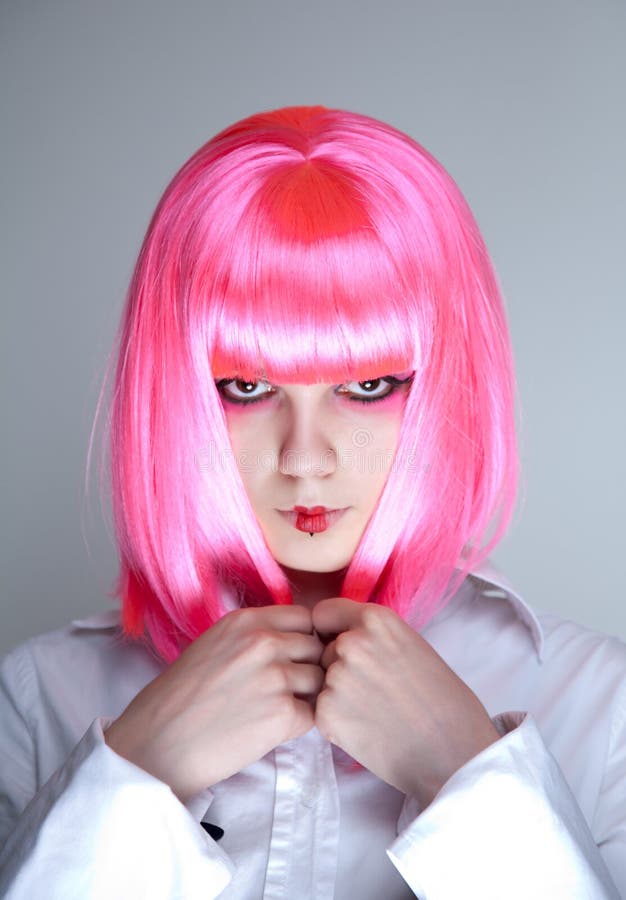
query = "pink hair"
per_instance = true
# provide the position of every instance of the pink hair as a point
(306, 245)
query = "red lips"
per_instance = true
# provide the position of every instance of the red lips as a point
(312, 519)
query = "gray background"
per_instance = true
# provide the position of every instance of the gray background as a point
(523, 103)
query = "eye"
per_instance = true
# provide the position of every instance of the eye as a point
(238, 391)
(374, 388)
(235, 390)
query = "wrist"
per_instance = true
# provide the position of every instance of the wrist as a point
(428, 786)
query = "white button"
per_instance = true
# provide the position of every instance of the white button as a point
(308, 796)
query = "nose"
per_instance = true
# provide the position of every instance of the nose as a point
(307, 447)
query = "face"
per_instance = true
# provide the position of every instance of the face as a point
(317, 445)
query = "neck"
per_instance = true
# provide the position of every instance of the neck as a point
(307, 588)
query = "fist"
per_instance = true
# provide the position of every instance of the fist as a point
(391, 702)
(246, 685)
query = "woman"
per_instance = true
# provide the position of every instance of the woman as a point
(312, 454)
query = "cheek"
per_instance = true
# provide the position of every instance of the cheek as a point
(245, 431)
(392, 420)
(384, 415)
(247, 443)
(394, 412)
(381, 451)
(377, 428)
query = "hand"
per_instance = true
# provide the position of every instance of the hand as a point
(391, 702)
(246, 685)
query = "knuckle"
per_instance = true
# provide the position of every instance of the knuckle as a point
(261, 643)
(352, 645)
(379, 621)
(276, 678)
(334, 674)
(231, 621)
(373, 616)
(343, 642)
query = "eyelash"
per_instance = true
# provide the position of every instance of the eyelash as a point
(390, 379)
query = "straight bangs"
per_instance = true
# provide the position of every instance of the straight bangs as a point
(317, 313)
(306, 246)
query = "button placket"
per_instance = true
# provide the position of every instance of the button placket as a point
(279, 860)
(308, 796)
(326, 821)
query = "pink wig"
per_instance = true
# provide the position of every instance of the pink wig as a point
(306, 245)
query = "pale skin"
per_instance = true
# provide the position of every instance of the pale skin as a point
(262, 676)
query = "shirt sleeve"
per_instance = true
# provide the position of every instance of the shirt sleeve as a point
(507, 824)
(100, 827)
(610, 819)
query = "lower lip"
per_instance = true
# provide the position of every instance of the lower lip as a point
(316, 523)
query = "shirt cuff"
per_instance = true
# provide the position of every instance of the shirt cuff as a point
(505, 824)
(102, 826)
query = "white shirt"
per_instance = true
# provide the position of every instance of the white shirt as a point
(540, 814)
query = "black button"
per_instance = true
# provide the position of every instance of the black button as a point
(214, 830)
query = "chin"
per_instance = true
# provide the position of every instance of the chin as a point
(311, 562)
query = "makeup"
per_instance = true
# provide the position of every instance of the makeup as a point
(312, 521)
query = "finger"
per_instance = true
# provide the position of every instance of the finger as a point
(336, 614)
(301, 648)
(329, 656)
(282, 617)
(304, 678)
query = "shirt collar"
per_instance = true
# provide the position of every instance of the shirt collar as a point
(100, 621)
(489, 580)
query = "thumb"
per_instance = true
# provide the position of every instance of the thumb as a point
(336, 614)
